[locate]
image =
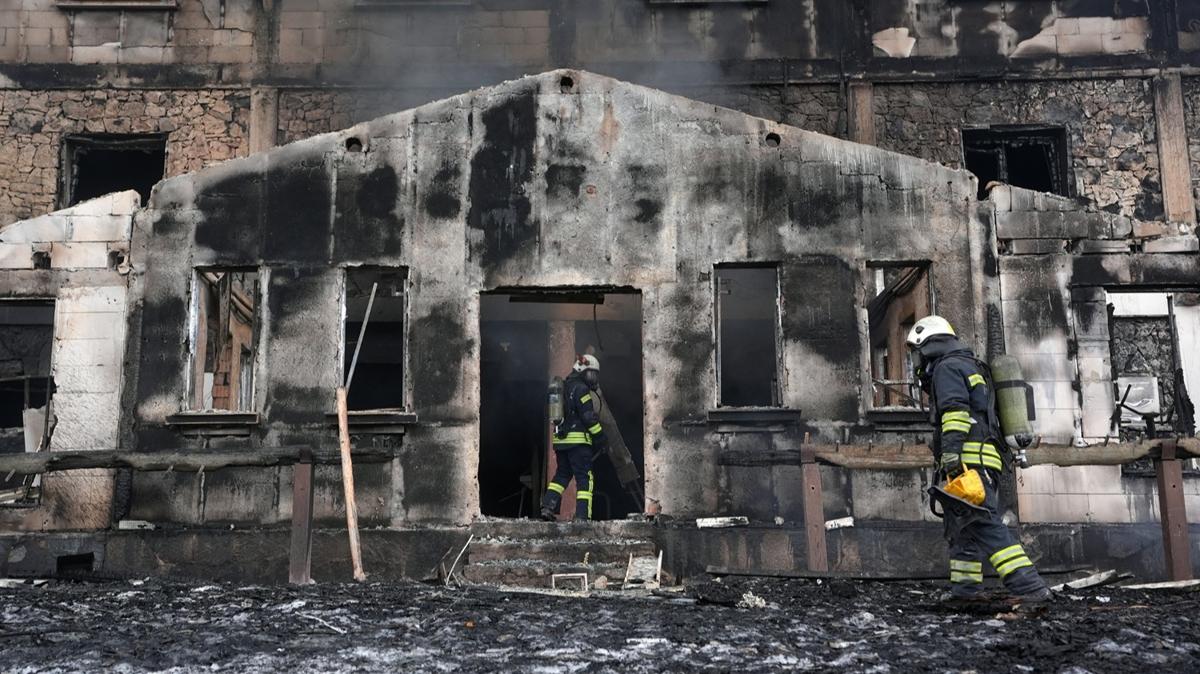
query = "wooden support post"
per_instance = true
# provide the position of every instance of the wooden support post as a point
(300, 557)
(1178, 200)
(861, 113)
(348, 485)
(814, 511)
(1173, 513)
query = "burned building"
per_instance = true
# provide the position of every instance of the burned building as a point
(741, 271)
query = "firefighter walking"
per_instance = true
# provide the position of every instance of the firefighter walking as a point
(968, 436)
(578, 438)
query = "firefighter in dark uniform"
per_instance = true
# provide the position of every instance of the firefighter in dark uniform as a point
(967, 436)
(577, 440)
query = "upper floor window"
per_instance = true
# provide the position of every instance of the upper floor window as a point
(1031, 157)
(226, 308)
(899, 296)
(96, 165)
(748, 335)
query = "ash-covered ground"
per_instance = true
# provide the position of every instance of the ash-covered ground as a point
(733, 625)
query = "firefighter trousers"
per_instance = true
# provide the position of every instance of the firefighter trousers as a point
(975, 537)
(573, 461)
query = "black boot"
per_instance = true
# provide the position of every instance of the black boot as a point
(550, 505)
(1027, 586)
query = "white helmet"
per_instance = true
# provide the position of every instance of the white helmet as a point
(930, 326)
(586, 362)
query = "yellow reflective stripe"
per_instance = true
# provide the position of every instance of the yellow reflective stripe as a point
(556, 487)
(955, 426)
(982, 454)
(1001, 556)
(574, 438)
(1009, 567)
(595, 429)
(585, 398)
(975, 380)
(961, 577)
(583, 495)
(591, 486)
(959, 565)
(956, 415)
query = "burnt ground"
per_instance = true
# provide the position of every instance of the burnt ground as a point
(780, 626)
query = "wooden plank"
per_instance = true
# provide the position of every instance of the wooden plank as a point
(814, 513)
(300, 554)
(348, 486)
(861, 113)
(181, 460)
(1175, 171)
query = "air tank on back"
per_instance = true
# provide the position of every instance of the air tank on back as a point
(1012, 403)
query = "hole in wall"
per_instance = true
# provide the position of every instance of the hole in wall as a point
(95, 165)
(41, 259)
(75, 565)
(566, 84)
(773, 139)
(354, 145)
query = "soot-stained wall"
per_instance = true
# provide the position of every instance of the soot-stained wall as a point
(562, 179)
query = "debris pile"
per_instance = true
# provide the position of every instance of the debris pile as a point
(731, 624)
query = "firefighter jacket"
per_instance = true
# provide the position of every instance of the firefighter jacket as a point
(581, 423)
(961, 405)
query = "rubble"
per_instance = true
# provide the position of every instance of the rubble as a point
(799, 625)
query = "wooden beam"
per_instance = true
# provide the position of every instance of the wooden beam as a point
(1173, 513)
(300, 553)
(182, 460)
(1176, 175)
(904, 457)
(861, 113)
(815, 546)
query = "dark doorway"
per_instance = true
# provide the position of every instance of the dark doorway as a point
(97, 165)
(526, 338)
(1031, 157)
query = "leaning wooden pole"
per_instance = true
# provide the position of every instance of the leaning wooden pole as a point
(348, 484)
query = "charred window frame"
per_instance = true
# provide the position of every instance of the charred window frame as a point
(26, 390)
(379, 382)
(747, 331)
(898, 295)
(95, 165)
(1033, 157)
(226, 317)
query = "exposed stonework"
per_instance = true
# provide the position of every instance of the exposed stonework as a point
(1112, 144)
(202, 127)
(1191, 110)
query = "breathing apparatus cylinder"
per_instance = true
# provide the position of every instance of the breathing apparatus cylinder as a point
(555, 402)
(1012, 401)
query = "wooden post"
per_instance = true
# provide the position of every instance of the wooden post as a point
(814, 511)
(1173, 513)
(1178, 200)
(860, 113)
(348, 485)
(300, 557)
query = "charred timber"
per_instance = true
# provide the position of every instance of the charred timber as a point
(183, 460)
(903, 457)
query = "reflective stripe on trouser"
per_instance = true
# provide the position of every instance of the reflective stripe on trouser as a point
(573, 438)
(1009, 559)
(982, 454)
(975, 380)
(964, 571)
(583, 499)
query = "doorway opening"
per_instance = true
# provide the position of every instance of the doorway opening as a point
(527, 337)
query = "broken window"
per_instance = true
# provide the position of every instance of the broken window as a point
(379, 372)
(97, 165)
(225, 318)
(1033, 158)
(26, 336)
(899, 297)
(747, 335)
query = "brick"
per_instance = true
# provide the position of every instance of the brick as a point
(301, 19)
(1092, 247)
(16, 256)
(525, 18)
(88, 378)
(51, 19)
(1081, 44)
(83, 255)
(96, 28)
(91, 299)
(1096, 25)
(142, 54)
(1172, 244)
(145, 29)
(39, 37)
(1124, 43)
(230, 54)
(42, 228)
(1036, 246)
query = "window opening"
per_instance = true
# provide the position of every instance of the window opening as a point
(748, 335)
(100, 164)
(225, 314)
(26, 387)
(379, 376)
(899, 297)
(1033, 158)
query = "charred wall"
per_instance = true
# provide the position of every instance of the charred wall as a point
(540, 182)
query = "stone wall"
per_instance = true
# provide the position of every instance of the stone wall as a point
(1110, 125)
(202, 127)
